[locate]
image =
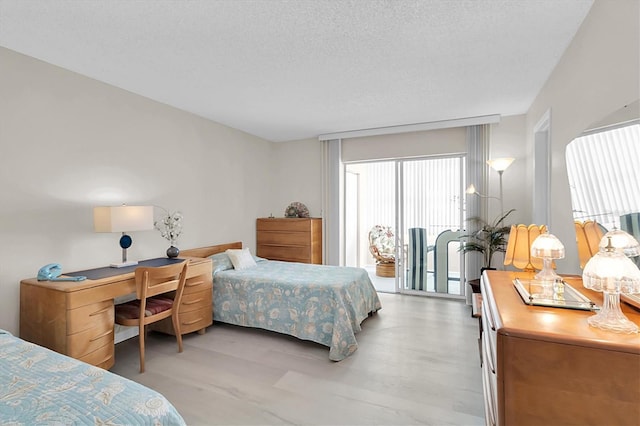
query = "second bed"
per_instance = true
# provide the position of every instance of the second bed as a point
(323, 304)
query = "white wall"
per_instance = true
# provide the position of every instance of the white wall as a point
(598, 74)
(296, 176)
(68, 143)
(508, 139)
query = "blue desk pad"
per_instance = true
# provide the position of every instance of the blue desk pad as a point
(98, 273)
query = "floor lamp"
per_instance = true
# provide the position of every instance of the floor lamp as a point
(500, 165)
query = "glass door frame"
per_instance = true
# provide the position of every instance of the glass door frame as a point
(399, 282)
(400, 227)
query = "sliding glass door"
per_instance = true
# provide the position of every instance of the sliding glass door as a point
(431, 215)
(402, 222)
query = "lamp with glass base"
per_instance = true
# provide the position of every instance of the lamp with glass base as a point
(547, 247)
(621, 241)
(611, 273)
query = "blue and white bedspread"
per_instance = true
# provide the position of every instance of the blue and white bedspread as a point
(324, 304)
(39, 386)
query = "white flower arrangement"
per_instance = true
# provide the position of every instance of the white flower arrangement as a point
(170, 226)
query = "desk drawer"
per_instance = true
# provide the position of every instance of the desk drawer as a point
(189, 321)
(196, 301)
(197, 284)
(101, 357)
(93, 316)
(196, 320)
(200, 268)
(90, 340)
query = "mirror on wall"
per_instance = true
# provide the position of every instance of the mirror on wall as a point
(603, 166)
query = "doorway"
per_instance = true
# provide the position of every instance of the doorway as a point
(418, 203)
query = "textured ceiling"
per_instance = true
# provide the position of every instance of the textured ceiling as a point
(288, 70)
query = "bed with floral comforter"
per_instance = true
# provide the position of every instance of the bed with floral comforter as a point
(39, 386)
(323, 304)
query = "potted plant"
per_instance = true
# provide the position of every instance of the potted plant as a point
(170, 227)
(489, 239)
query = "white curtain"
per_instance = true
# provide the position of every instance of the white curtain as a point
(332, 200)
(477, 156)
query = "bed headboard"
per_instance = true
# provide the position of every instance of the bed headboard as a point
(209, 250)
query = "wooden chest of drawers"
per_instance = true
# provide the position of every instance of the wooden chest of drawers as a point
(547, 366)
(77, 318)
(290, 239)
(195, 308)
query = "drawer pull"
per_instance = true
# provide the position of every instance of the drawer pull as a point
(488, 352)
(106, 333)
(192, 302)
(191, 322)
(101, 311)
(194, 283)
(486, 313)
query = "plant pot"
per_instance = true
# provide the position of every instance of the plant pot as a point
(486, 269)
(475, 285)
(387, 270)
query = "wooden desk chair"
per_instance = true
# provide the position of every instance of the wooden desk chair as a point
(154, 303)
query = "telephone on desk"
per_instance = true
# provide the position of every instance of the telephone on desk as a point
(52, 271)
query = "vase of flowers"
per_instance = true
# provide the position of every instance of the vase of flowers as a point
(170, 227)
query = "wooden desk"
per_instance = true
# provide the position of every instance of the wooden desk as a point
(547, 366)
(77, 318)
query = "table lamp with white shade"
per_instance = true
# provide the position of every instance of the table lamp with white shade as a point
(612, 273)
(123, 219)
(548, 248)
(621, 241)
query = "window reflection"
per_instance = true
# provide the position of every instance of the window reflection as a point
(603, 168)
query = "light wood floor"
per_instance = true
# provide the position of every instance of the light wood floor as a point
(417, 363)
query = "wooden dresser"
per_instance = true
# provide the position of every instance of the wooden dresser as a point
(290, 239)
(77, 318)
(547, 366)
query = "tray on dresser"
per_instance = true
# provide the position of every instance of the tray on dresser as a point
(631, 299)
(554, 295)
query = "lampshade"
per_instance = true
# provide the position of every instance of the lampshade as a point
(123, 219)
(547, 247)
(588, 237)
(611, 272)
(622, 242)
(500, 164)
(518, 251)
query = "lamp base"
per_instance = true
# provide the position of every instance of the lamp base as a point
(124, 264)
(610, 317)
(547, 273)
